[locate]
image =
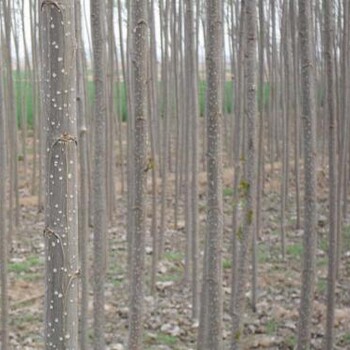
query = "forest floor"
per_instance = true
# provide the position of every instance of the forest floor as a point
(168, 323)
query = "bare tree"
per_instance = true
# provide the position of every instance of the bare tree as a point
(236, 149)
(153, 117)
(83, 180)
(332, 246)
(285, 120)
(3, 221)
(260, 155)
(166, 116)
(61, 205)
(188, 28)
(97, 9)
(248, 184)
(110, 125)
(12, 124)
(192, 115)
(343, 132)
(296, 108)
(139, 51)
(213, 271)
(309, 128)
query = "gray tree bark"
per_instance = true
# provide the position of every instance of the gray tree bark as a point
(328, 10)
(213, 271)
(139, 52)
(97, 9)
(248, 185)
(61, 198)
(10, 108)
(296, 100)
(166, 124)
(260, 155)
(110, 125)
(236, 150)
(192, 115)
(3, 227)
(84, 182)
(310, 214)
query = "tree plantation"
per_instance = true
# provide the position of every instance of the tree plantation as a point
(174, 174)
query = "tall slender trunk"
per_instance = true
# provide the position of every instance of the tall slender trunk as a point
(110, 125)
(3, 228)
(342, 129)
(166, 117)
(296, 110)
(212, 285)
(97, 9)
(310, 213)
(84, 182)
(332, 245)
(236, 151)
(248, 185)
(260, 156)
(12, 124)
(153, 119)
(61, 204)
(139, 49)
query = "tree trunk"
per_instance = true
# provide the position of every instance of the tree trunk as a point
(309, 128)
(213, 276)
(332, 245)
(97, 9)
(248, 185)
(139, 35)
(84, 183)
(3, 227)
(61, 207)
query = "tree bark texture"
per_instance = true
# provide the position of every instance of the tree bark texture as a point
(310, 215)
(61, 198)
(139, 66)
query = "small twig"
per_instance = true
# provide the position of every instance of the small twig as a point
(65, 138)
(26, 300)
(141, 21)
(149, 165)
(72, 277)
(49, 232)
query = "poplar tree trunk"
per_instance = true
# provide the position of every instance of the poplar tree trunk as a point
(192, 116)
(310, 214)
(61, 204)
(24, 100)
(236, 151)
(10, 108)
(212, 285)
(110, 125)
(97, 9)
(260, 156)
(296, 100)
(166, 124)
(32, 11)
(139, 50)
(345, 146)
(343, 131)
(3, 227)
(178, 111)
(248, 185)
(332, 239)
(285, 80)
(84, 183)
(153, 118)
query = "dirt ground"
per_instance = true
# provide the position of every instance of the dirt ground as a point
(168, 323)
